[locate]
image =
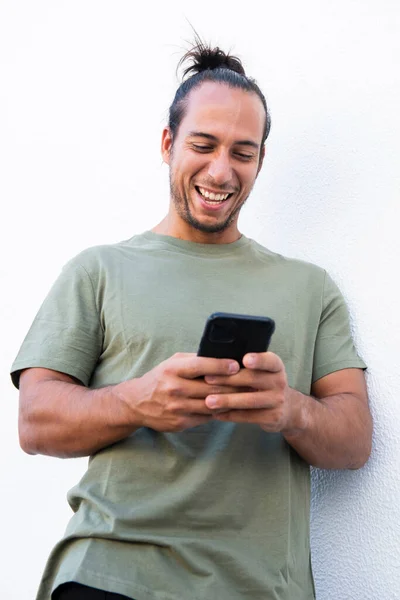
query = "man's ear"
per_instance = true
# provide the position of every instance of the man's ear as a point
(260, 162)
(166, 145)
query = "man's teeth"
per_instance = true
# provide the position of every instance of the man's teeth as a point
(212, 196)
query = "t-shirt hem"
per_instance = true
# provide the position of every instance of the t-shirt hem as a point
(114, 585)
(337, 366)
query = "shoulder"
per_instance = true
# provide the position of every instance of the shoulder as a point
(305, 281)
(295, 269)
(99, 259)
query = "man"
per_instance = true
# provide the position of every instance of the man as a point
(198, 481)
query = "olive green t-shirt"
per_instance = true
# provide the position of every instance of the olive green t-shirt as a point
(216, 512)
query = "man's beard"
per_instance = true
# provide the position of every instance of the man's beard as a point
(182, 208)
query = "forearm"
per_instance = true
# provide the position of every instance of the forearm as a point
(64, 419)
(61, 418)
(332, 432)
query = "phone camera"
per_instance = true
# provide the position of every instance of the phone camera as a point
(222, 331)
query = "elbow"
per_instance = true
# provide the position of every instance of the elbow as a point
(27, 449)
(357, 465)
(364, 445)
(361, 462)
(27, 428)
(26, 439)
(363, 455)
(28, 422)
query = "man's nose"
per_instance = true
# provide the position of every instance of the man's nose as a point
(220, 169)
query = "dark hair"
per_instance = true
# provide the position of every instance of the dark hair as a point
(211, 64)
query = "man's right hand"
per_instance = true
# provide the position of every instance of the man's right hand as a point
(171, 397)
(58, 416)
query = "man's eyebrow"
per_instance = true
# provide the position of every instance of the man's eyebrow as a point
(213, 138)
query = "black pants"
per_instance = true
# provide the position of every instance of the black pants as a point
(76, 591)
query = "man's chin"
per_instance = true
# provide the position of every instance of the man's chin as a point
(208, 227)
(207, 224)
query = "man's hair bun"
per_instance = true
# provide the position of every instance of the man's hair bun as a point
(211, 64)
(205, 58)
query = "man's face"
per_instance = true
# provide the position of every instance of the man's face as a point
(214, 161)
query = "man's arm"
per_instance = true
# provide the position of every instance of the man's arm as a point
(332, 430)
(60, 417)
(337, 423)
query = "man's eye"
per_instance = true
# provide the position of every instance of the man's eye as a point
(201, 147)
(244, 156)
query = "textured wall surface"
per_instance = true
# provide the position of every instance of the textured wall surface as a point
(84, 95)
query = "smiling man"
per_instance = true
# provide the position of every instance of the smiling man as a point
(198, 484)
(214, 159)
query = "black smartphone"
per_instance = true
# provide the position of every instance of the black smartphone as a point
(229, 335)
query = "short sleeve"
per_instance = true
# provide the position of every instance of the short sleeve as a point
(334, 347)
(66, 334)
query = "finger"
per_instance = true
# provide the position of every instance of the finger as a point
(200, 389)
(263, 361)
(191, 366)
(194, 407)
(244, 416)
(246, 378)
(194, 420)
(245, 401)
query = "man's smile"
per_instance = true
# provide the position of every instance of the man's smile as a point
(212, 199)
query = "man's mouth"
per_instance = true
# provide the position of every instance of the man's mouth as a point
(213, 198)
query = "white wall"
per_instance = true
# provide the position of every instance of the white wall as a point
(84, 90)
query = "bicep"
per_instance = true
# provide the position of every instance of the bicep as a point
(346, 390)
(345, 381)
(31, 377)
(344, 394)
(31, 394)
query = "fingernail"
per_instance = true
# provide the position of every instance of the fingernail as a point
(233, 367)
(250, 360)
(211, 401)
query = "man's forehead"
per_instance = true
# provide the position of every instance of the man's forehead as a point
(213, 105)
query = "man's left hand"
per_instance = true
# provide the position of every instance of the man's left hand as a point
(266, 399)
